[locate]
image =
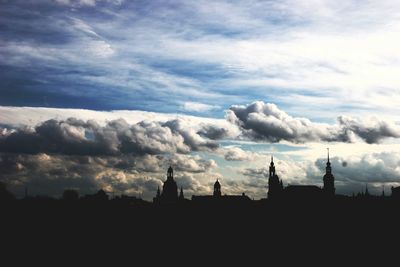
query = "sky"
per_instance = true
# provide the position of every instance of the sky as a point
(106, 94)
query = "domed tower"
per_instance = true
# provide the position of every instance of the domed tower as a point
(170, 173)
(170, 189)
(217, 189)
(329, 179)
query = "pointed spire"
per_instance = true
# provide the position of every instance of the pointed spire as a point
(328, 163)
(328, 153)
(181, 194)
(158, 191)
(272, 161)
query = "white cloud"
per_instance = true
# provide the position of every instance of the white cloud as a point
(78, 3)
(198, 107)
(265, 121)
(31, 116)
(324, 51)
(233, 153)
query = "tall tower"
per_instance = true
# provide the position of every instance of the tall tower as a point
(170, 173)
(170, 189)
(275, 186)
(272, 168)
(217, 189)
(158, 193)
(329, 179)
(181, 196)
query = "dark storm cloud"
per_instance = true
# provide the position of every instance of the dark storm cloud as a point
(260, 121)
(77, 137)
(369, 133)
(214, 132)
(192, 139)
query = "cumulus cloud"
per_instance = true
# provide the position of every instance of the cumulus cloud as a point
(215, 132)
(371, 131)
(125, 174)
(77, 137)
(190, 136)
(238, 154)
(383, 167)
(291, 172)
(193, 164)
(260, 172)
(265, 121)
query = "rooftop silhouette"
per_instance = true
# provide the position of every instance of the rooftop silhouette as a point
(173, 194)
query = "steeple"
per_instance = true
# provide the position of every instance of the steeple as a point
(275, 186)
(272, 167)
(366, 190)
(217, 189)
(181, 196)
(328, 154)
(158, 192)
(329, 179)
(328, 164)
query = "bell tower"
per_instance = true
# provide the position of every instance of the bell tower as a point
(217, 189)
(329, 179)
(275, 186)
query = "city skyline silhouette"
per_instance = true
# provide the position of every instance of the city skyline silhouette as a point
(172, 193)
(176, 131)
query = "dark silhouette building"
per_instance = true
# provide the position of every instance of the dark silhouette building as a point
(275, 186)
(100, 196)
(217, 189)
(300, 192)
(303, 192)
(170, 189)
(70, 195)
(218, 198)
(169, 192)
(5, 195)
(396, 192)
(329, 179)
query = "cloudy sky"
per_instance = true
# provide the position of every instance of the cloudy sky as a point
(109, 93)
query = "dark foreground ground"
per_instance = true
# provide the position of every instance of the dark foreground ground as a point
(335, 231)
